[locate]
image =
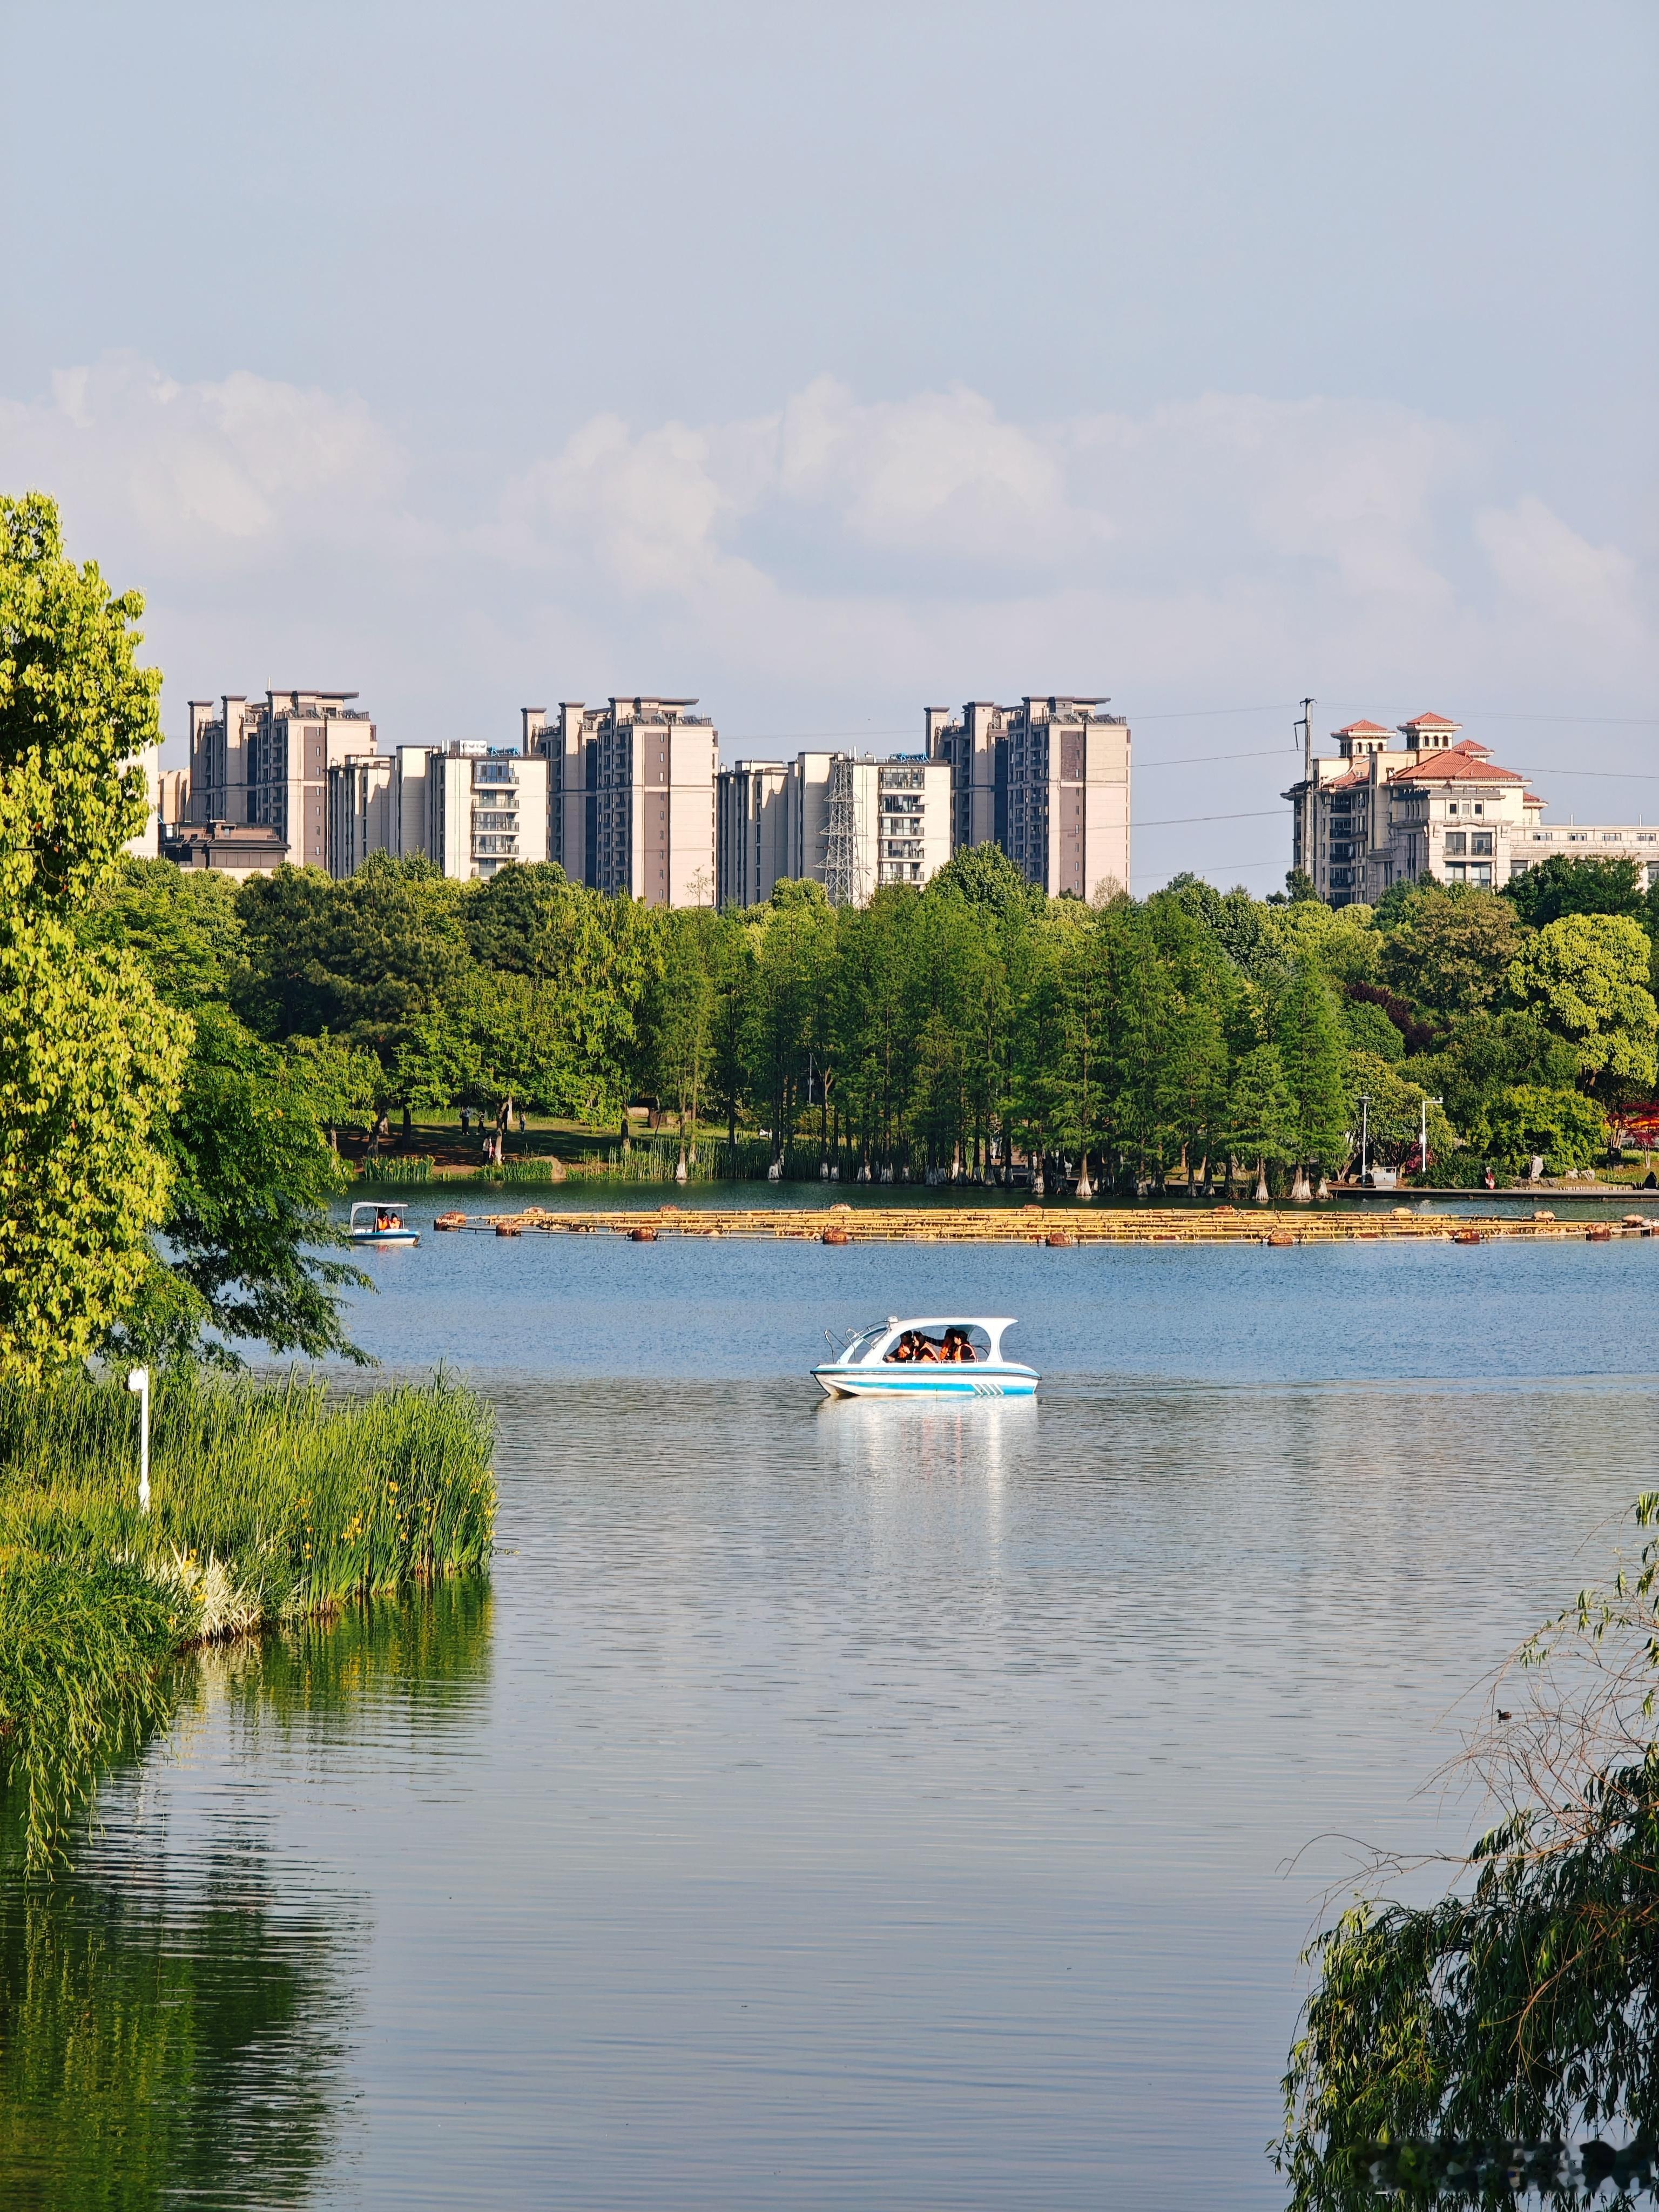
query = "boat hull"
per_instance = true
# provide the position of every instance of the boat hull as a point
(896, 1381)
(385, 1237)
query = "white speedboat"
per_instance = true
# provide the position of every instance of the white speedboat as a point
(956, 1356)
(375, 1222)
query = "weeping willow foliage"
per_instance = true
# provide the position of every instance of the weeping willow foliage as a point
(1522, 2009)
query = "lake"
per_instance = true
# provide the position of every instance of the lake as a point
(835, 1805)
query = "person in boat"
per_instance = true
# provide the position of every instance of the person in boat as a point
(926, 1350)
(958, 1347)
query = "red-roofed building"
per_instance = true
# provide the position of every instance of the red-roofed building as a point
(1376, 815)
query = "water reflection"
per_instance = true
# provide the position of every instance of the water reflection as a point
(177, 2012)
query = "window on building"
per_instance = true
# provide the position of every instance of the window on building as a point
(1456, 842)
(1481, 875)
(1456, 872)
(1480, 841)
(1451, 807)
(1479, 806)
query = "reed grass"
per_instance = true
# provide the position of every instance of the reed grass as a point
(269, 1502)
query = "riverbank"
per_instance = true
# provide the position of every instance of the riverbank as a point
(1036, 1224)
(270, 1502)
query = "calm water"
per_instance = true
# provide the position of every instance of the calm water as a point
(835, 1805)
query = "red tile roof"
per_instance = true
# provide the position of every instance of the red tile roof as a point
(1362, 730)
(1463, 762)
(1430, 722)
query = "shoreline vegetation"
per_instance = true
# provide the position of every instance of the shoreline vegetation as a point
(271, 1503)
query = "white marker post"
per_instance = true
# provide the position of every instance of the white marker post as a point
(138, 1380)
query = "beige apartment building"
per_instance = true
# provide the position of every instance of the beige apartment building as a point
(1047, 780)
(1442, 806)
(265, 763)
(850, 823)
(631, 800)
(362, 819)
(751, 832)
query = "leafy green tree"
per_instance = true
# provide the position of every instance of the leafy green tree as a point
(364, 959)
(1314, 1055)
(76, 711)
(1393, 1118)
(1366, 1027)
(1562, 1125)
(90, 1062)
(1587, 977)
(184, 925)
(1486, 1054)
(1261, 1114)
(1452, 949)
(247, 1221)
(1563, 885)
(985, 877)
(89, 1058)
(518, 921)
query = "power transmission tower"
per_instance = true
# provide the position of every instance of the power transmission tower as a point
(842, 871)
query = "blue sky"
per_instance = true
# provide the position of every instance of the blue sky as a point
(828, 363)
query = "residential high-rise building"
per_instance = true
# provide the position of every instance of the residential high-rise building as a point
(1047, 780)
(848, 822)
(1442, 807)
(362, 819)
(265, 763)
(631, 796)
(485, 808)
(751, 832)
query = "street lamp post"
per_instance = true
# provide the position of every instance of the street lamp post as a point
(138, 1382)
(1423, 1140)
(1365, 1140)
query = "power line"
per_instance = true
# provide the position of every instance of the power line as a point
(1179, 821)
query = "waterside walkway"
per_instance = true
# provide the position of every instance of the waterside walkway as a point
(1036, 1224)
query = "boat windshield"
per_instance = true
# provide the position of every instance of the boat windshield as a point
(862, 1343)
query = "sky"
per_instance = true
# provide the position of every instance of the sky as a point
(826, 364)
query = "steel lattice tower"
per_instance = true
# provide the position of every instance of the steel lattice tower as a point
(841, 871)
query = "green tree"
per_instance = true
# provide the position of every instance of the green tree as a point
(1562, 1125)
(1564, 885)
(76, 711)
(364, 959)
(89, 1058)
(90, 1062)
(984, 876)
(247, 1220)
(1261, 1114)
(183, 924)
(1309, 1033)
(1452, 949)
(1587, 976)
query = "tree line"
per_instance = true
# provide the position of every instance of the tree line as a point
(952, 1030)
(177, 1051)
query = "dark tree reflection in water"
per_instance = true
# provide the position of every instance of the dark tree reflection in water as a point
(174, 2028)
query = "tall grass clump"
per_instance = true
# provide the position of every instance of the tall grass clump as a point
(269, 1502)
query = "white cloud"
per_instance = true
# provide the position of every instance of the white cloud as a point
(190, 475)
(1559, 576)
(834, 550)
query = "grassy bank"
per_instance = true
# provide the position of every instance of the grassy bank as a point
(268, 1504)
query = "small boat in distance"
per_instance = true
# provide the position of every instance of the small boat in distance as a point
(956, 1356)
(378, 1221)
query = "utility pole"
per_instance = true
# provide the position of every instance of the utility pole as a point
(1309, 812)
(1365, 1137)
